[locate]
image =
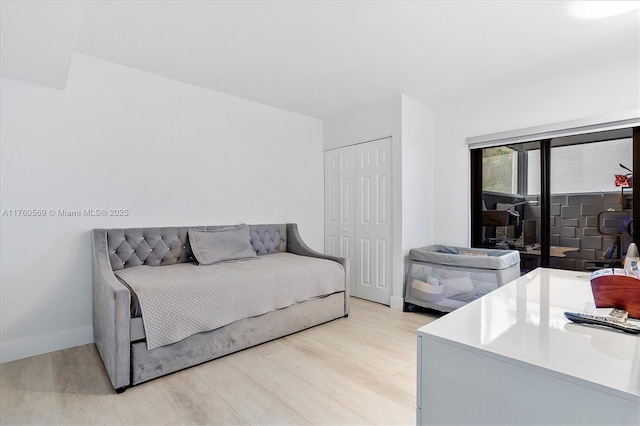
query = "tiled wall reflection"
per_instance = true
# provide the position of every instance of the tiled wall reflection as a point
(574, 219)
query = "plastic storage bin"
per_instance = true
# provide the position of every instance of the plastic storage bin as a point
(445, 277)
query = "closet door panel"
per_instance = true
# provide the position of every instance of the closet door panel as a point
(358, 215)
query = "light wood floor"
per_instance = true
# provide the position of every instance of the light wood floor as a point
(355, 370)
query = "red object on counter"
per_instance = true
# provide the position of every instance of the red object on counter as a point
(617, 288)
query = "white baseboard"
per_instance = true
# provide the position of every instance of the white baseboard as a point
(37, 345)
(397, 303)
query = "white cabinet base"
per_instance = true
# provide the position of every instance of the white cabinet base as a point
(463, 387)
(511, 358)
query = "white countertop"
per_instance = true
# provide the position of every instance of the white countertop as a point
(523, 323)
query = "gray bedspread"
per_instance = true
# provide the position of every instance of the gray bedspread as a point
(180, 300)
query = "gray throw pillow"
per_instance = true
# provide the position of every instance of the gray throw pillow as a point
(222, 245)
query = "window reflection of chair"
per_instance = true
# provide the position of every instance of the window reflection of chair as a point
(502, 223)
(612, 223)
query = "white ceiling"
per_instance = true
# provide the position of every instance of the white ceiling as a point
(321, 58)
(37, 40)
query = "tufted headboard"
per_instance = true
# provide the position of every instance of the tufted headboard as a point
(169, 245)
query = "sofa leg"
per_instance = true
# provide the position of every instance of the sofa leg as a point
(122, 389)
(346, 316)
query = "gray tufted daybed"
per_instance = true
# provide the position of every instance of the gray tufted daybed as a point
(283, 287)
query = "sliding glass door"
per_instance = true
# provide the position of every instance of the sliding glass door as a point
(558, 201)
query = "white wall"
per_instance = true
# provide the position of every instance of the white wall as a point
(169, 152)
(418, 178)
(588, 93)
(411, 126)
(418, 183)
(376, 121)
